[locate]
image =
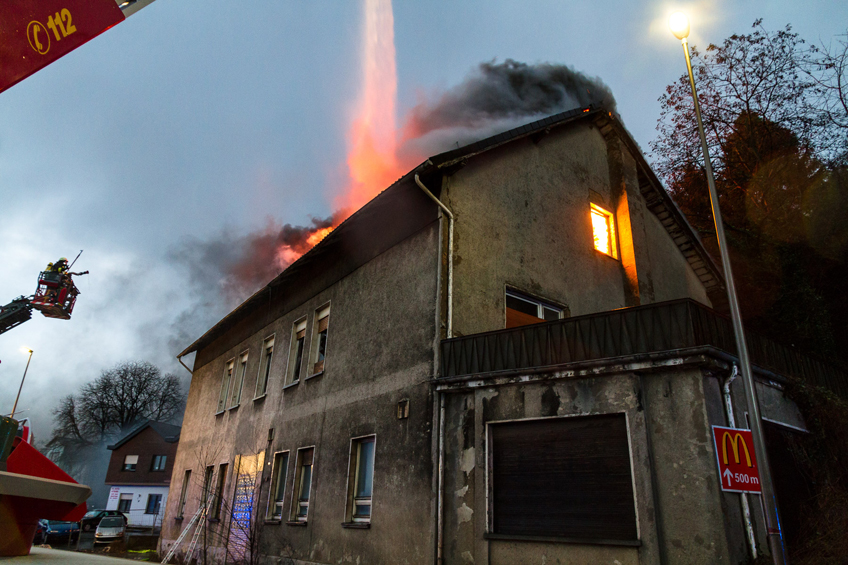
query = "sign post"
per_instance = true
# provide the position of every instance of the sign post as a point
(737, 461)
(34, 33)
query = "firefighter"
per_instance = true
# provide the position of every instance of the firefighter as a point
(61, 266)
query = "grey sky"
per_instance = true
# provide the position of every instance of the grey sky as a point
(192, 119)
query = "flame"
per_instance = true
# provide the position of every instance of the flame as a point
(372, 158)
(316, 236)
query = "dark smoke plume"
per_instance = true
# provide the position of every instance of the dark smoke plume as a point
(499, 93)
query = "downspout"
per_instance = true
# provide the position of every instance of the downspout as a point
(440, 537)
(180, 359)
(731, 421)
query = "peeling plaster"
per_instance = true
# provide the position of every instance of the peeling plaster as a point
(467, 557)
(466, 463)
(464, 513)
(461, 492)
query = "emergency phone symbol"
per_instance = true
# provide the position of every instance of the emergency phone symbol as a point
(38, 37)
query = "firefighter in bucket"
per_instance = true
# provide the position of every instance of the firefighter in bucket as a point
(56, 292)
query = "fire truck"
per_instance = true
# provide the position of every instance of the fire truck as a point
(54, 297)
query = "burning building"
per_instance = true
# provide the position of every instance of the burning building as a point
(507, 356)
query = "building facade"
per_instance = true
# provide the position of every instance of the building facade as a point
(502, 358)
(139, 472)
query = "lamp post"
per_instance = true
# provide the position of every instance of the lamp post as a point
(15, 407)
(679, 25)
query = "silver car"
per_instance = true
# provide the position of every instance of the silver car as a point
(110, 529)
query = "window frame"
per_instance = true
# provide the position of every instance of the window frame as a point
(218, 493)
(129, 467)
(265, 364)
(489, 471)
(183, 493)
(353, 480)
(294, 368)
(155, 468)
(612, 232)
(240, 375)
(296, 502)
(226, 379)
(158, 503)
(129, 499)
(320, 313)
(208, 478)
(275, 477)
(539, 302)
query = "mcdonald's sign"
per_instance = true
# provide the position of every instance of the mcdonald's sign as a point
(737, 462)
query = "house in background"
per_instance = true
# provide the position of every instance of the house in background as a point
(139, 472)
(508, 356)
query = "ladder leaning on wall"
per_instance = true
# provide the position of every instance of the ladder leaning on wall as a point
(198, 519)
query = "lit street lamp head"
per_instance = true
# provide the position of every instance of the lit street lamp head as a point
(679, 25)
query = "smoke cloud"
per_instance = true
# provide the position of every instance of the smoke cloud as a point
(498, 96)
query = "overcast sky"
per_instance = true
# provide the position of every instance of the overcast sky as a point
(205, 121)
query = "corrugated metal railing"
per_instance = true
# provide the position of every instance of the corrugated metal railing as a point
(653, 328)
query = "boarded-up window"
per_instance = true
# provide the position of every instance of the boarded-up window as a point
(563, 477)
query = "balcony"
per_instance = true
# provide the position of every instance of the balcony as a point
(674, 326)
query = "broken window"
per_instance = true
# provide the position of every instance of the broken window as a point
(235, 398)
(562, 478)
(184, 493)
(522, 309)
(303, 484)
(296, 354)
(225, 384)
(130, 462)
(322, 323)
(158, 463)
(361, 479)
(264, 367)
(278, 485)
(603, 230)
(218, 499)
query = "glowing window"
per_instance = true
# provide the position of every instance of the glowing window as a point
(603, 230)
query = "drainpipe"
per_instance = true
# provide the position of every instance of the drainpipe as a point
(731, 421)
(440, 536)
(447, 213)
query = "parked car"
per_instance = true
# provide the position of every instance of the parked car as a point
(56, 532)
(111, 528)
(92, 518)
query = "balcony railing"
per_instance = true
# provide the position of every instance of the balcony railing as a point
(654, 328)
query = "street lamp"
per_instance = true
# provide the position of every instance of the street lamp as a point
(679, 25)
(15, 407)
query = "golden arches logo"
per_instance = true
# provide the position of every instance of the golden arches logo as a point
(735, 441)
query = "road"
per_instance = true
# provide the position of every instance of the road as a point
(43, 556)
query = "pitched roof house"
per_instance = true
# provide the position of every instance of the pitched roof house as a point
(509, 353)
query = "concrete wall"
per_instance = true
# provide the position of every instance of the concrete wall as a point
(682, 516)
(382, 332)
(522, 220)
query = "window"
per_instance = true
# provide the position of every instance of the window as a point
(154, 501)
(264, 367)
(225, 384)
(303, 484)
(603, 230)
(207, 483)
(296, 354)
(125, 502)
(562, 478)
(130, 461)
(322, 322)
(158, 463)
(360, 479)
(235, 397)
(184, 493)
(218, 498)
(522, 310)
(278, 485)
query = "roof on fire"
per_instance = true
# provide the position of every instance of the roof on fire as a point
(338, 241)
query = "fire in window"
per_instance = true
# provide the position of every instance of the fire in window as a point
(603, 230)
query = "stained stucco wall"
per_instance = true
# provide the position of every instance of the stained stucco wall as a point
(522, 220)
(381, 337)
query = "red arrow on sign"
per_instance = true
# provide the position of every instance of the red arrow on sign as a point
(737, 462)
(34, 33)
